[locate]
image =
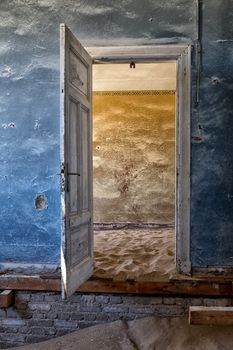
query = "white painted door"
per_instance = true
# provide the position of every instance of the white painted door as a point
(76, 163)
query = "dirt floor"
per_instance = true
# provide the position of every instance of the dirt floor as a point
(143, 334)
(141, 255)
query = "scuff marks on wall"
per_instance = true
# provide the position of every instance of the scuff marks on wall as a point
(6, 72)
(41, 202)
(11, 125)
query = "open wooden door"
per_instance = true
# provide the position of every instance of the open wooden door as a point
(76, 163)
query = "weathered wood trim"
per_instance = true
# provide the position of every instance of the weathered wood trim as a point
(28, 269)
(75, 267)
(183, 261)
(30, 283)
(63, 155)
(211, 315)
(6, 298)
(182, 55)
(214, 272)
(188, 287)
(126, 53)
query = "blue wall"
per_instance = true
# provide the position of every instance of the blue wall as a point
(29, 127)
(29, 113)
(212, 156)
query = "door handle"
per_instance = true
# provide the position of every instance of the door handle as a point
(64, 178)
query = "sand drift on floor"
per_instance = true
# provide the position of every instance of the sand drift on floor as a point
(145, 254)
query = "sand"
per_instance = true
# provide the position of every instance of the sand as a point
(139, 254)
(151, 333)
(142, 255)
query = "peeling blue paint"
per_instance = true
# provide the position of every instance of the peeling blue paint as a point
(29, 114)
(212, 162)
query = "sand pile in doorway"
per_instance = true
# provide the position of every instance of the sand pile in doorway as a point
(144, 334)
(142, 255)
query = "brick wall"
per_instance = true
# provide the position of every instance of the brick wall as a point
(39, 316)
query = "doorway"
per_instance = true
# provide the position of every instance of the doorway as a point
(76, 150)
(134, 113)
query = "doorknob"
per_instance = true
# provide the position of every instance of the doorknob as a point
(77, 174)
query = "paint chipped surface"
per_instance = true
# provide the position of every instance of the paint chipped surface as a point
(29, 82)
(41, 202)
(212, 162)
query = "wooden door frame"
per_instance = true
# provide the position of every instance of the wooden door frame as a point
(181, 54)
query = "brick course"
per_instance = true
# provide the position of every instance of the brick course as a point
(38, 316)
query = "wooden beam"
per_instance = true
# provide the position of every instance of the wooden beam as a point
(185, 288)
(36, 283)
(6, 298)
(189, 287)
(211, 315)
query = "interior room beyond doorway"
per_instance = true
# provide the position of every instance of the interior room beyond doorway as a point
(134, 118)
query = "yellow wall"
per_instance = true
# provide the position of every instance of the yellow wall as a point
(134, 156)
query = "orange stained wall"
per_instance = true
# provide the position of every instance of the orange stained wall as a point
(134, 147)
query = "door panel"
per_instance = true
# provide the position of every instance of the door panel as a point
(78, 73)
(85, 165)
(74, 156)
(79, 244)
(76, 159)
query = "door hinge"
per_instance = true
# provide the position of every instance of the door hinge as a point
(63, 168)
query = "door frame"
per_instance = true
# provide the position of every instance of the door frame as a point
(181, 54)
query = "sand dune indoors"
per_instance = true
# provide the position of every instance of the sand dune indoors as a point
(145, 254)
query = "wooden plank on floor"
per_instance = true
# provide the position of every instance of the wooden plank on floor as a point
(211, 315)
(183, 288)
(97, 285)
(6, 298)
(30, 283)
